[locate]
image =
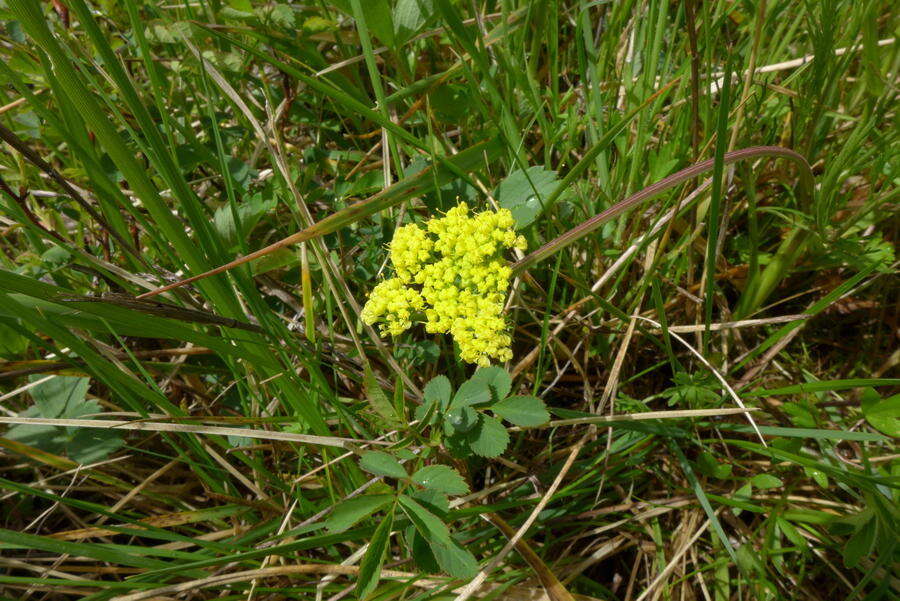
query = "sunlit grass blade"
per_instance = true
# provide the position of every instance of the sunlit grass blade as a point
(425, 180)
(806, 186)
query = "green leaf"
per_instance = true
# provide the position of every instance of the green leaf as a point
(370, 566)
(693, 389)
(12, 345)
(764, 481)
(442, 478)
(819, 476)
(524, 193)
(522, 410)
(791, 533)
(409, 17)
(436, 502)
(707, 464)
(496, 378)
(454, 560)
(281, 15)
(88, 445)
(860, 544)
(744, 493)
(59, 396)
(428, 525)
(421, 551)
(471, 392)
(489, 438)
(378, 400)
(883, 415)
(64, 398)
(460, 419)
(438, 390)
(377, 14)
(381, 464)
(241, 5)
(249, 214)
(351, 511)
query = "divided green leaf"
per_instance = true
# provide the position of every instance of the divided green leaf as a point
(64, 397)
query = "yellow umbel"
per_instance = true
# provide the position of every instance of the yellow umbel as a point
(453, 271)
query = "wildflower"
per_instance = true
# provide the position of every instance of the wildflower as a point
(451, 272)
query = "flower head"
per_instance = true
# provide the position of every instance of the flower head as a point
(452, 272)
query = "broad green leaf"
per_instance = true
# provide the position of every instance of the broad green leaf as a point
(522, 410)
(471, 392)
(428, 524)
(524, 193)
(438, 390)
(370, 566)
(351, 511)
(764, 481)
(249, 214)
(455, 560)
(496, 378)
(381, 464)
(489, 438)
(409, 17)
(442, 478)
(460, 419)
(883, 415)
(89, 445)
(860, 544)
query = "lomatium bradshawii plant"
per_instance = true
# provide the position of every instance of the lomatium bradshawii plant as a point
(453, 273)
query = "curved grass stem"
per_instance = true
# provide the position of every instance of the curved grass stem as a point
(806, 189)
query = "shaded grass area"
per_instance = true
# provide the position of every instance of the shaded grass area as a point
(149, 142)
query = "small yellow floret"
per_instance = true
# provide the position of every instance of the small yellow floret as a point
(457, 261)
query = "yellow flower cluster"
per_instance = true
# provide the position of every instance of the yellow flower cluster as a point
(454, 272)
